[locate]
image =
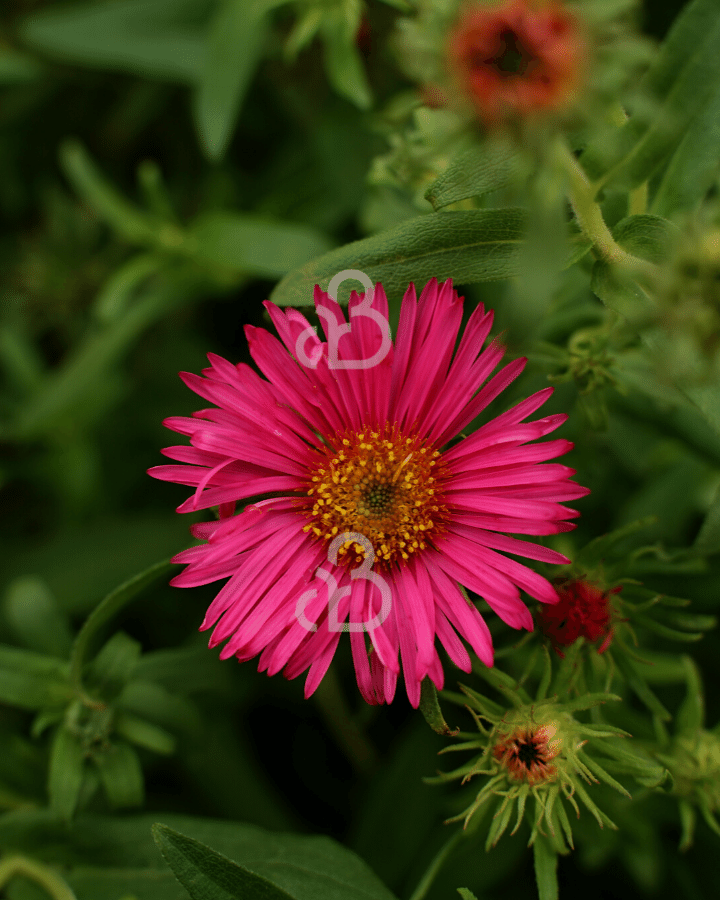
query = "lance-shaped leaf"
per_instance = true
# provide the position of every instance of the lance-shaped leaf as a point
(95, 189)
(65, 778)
(275, 869)
(121, 775)
(207, 875)
(467, 246)
(430, 708)
(32, 680)
(155, 38)
(694, 165)
(708, 539)
(232, 50)
(254, 245)
(639, 685)
(343, 63)
(682, 79)
(691, 715)
(475, 172)
(112, 668)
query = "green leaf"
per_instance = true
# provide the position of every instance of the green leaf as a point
(34, 616)
(640, 686)
(253, 245)
(478, 245)
(67, 764)
(95, 189)
(104, 612)
(192, 667)
(649, 237)
(645, 236)
(693, 168)
(691, 715)
(207, 875)
(121, 775)
(17, 67)
(706, 398)
(430, 708)
(157, 704)
(466, 894)
(682, 79)
(343, 62)
(118, 292)
(87, 377)
(232, 50)
(144, 734)
(546, 862)
(475, 172)
(31, 680)
(113, 667)
(708, 538)
(159, 39)
(106, 852)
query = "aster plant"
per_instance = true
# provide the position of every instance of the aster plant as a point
(474, 504)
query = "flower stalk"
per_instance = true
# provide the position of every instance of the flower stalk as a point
(581, 194)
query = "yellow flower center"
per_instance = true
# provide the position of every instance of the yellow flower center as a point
(382, 484)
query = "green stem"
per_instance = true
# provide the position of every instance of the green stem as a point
(438, 862)
(103, 612)
(12, 866)
(546, 862)
(637, 202)
(588, 213)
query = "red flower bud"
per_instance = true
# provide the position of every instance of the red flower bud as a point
(583, 611)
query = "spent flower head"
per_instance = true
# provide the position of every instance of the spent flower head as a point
(516, 58)
(539, 751)
(508, 63)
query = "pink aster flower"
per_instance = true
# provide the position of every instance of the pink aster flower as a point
(359, 514)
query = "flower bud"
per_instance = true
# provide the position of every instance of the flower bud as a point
(584, 610)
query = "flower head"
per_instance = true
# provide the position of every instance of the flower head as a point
(517, 58)
(356, 507)
(527, 753)
(584, 610)
(534, 750)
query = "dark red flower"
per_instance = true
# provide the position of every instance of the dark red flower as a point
(517, 58)
(583, 611)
